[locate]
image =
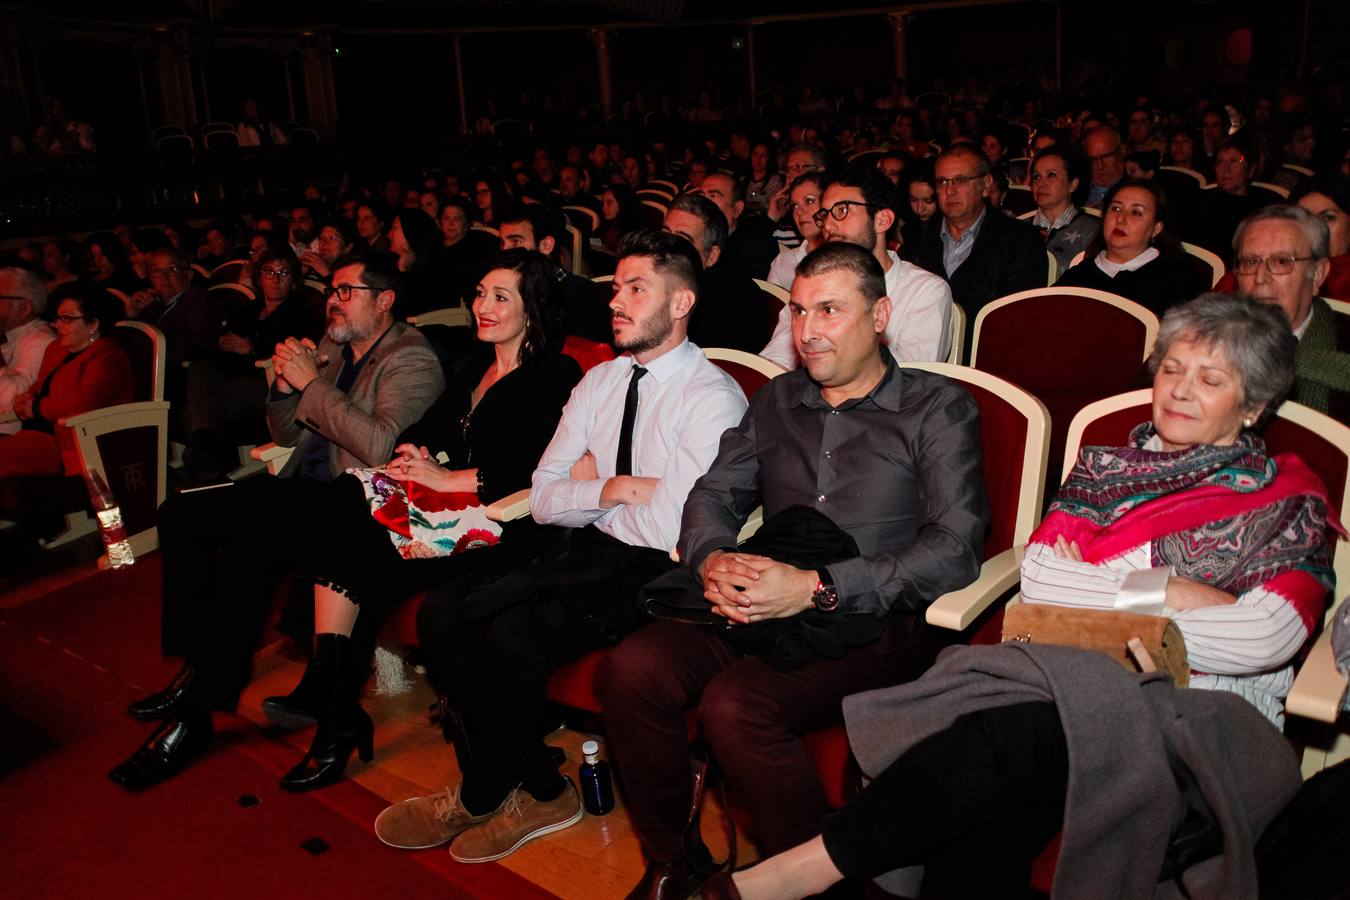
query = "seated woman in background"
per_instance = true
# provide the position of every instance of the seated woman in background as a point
(764, 180)
(1135, 255)
(923, 207)
(370, 227)
(1184, 150)
(1329, 200)
(1223, 207)
(106, 264)
(461, 258)
(491, 197)
(416, 241)
(226, 389)
(974, 771)
(85, 368)
(1055, 177)
(494, 421)
(60, 263)
(335, 240)
(621, 212)
(803, 201)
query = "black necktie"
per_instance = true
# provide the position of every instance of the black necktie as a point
(623, 463)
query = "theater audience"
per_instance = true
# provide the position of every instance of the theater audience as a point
(750, 247)
(1067, 229)
(494, 420)
(60, 262)
(1280, 258)
(226, 393)
(620, 215)
(1184, 150)
(23, 300)
(763, 181)
(416, 243)
(341, 405)
(1329, 200)
(84, 368)
(626, 452)
(1135, 255)
(187, 314)
(827, 598)
(584, 303)
(254, 130)
(977, 765)
(335, 240)
(106, 265)
(803, 202)
(922, 203)
(856, 209)
(371, 223)
(491, 196)
(461, 258)
(1223, 207)
(982, 257)
(1106, 158)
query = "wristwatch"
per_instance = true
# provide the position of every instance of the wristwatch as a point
(826, 596)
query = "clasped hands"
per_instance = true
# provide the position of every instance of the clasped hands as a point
(746, 587)
(296, 363)
(415, 464)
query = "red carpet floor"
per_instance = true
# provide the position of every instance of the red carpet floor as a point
(69, 663)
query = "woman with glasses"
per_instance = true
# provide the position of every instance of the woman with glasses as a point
(1135, 256)
(335, 240)
(1236, 166)
(1055, 178)
(226, 392)
(493, 422)
(84, 369)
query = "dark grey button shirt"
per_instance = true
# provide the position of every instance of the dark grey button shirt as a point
(898, 469)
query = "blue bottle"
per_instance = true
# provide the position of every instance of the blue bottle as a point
(597, 791)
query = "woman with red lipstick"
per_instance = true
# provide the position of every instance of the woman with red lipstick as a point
(1135, 255)
(493, 422)
(974, 767)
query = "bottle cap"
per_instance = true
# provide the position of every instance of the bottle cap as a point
(590, 750)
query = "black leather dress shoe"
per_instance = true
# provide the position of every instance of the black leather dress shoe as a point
(166, 752)
(161, 704)
(665, 881)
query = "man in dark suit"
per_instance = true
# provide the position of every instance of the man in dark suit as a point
(982, 256)
(187, 314)
(585, 303)
(750, 246)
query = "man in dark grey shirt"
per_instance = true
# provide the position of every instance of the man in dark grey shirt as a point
(886, 460)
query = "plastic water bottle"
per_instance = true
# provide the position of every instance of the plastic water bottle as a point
(109, 521)
(597, 791)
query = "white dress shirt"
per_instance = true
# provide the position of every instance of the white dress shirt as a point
(1112, 269)
(920, 328)
(685, 403)
(22, 352)
(784, 266)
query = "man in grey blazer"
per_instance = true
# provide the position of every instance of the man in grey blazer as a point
(341, 404)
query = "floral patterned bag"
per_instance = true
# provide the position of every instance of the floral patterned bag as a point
(424, 523)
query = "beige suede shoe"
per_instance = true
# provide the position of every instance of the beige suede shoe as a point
(520, 820)
(421, 822)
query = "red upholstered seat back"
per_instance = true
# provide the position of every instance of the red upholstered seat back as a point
(750, 380)
(1003, 434)
(587, 353)
(1065, 349)
(1320, 455)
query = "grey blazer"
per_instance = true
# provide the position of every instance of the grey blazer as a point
(395, 387)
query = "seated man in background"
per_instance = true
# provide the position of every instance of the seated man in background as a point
(856, 208)
(869, 477)
(23, 337)
(186, 312)
(730, 310)
(1280, 258)
(340, 405)
(635, 434)
(982, 256)
(750, 246)
(585, 302)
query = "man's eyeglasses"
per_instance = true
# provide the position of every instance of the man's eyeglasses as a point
(1103, 157)
(839, 211)
(166, 271)
(958, 181)
(344, 291)
(798, 168)
(71, 320)
(269, 272)
(1279, 264)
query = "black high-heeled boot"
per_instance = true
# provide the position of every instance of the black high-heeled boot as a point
(302, 706)
(343, 726)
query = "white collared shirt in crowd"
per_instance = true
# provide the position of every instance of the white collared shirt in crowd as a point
(22, 352)
(685, 403)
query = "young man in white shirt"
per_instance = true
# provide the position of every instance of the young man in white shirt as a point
(634, 436)
(23, 338)
(857, 207)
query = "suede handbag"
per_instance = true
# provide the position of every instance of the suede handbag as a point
(1105, 631)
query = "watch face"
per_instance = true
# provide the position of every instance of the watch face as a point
(826, 598)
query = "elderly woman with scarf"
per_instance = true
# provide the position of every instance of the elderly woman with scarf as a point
(978, 764)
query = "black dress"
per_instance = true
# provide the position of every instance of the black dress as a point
(503, 437)
(1157, 285)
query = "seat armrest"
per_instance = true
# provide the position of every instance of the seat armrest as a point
(273, 454)
(957, 610)
(1319, 688)
(752, 523)
(121, 415)
(511, 507)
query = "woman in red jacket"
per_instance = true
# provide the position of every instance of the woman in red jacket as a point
(84, 368)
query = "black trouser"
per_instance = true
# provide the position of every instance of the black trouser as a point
(973, 804)
(225, 551)
(495, 667)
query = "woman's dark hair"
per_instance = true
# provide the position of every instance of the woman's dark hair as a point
(1168, 244)
(95, 303)
(1073, 163)
(112, 249)
(1337, 189)
(273, 254)
(148, 240)
(64, 243)
(460, 203)
(501, 196)
(539, 292)
(344, 227)
(630, 208)
(424, 236)
(1197, 145)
